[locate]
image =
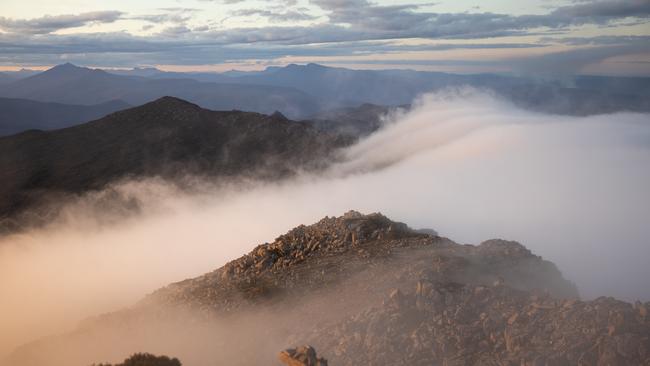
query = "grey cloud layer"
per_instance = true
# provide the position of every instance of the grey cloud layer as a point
(275, 16)
(364, 15)
(607, 9)
(339, 25)
(48, 24)
(572, 61)
(363, 20)
(126, 50)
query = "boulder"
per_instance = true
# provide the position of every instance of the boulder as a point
(301, 356)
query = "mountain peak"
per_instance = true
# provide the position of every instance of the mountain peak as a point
(334, 248)
(167, 109)
(339, 234)
(68, 69)
(67, 66)
(312, 65)
(169, 101)
(279, 116)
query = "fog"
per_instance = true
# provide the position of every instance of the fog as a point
(572, 189)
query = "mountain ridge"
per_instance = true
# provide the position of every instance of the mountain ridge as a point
(169, 137)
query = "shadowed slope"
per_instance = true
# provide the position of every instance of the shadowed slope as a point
(169, 138)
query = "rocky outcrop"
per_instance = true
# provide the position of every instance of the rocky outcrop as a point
(301, 356)
(454, 324)
(365, 290)
(146, 359)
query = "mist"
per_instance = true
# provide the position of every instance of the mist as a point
(574, 190)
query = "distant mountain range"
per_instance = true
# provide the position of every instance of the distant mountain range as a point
(19, 115)
(301, 91)
(168, 137)
(340, 87)
(70, 84)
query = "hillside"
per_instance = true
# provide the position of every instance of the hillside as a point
(169, 138)
(20, 115)
(363, 289)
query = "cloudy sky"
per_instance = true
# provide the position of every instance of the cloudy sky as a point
(521, 36)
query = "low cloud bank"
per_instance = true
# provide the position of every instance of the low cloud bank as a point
(472, 167)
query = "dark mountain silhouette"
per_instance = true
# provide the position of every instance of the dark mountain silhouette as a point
(363, 289)
(169, 138)
(19, 115)
(93, 86)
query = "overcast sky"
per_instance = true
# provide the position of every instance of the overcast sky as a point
(522, 36)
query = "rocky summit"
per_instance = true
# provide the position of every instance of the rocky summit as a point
(366, 290)
(346, 249)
